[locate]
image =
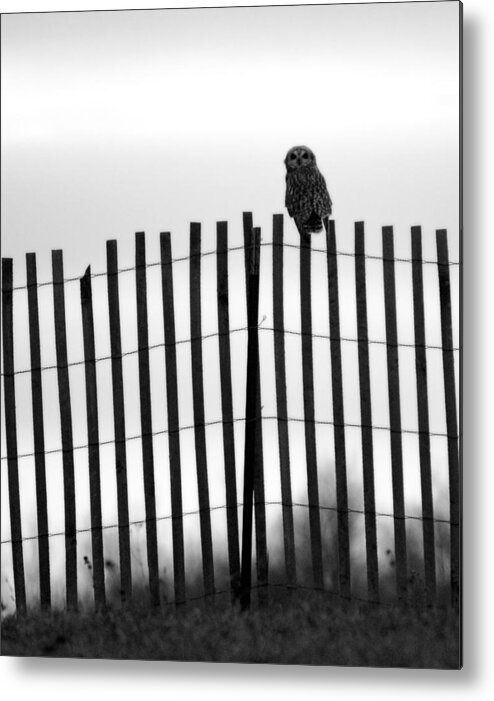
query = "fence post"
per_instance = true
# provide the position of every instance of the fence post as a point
(281, 400)
(309, 418)
(227, 404)
(394, 412)
(198, 401)
(451, 418)
(119, 420)
(39, 437)
(93, 440)
(339, 419)
(146, 418)
(262, 565)
(423, 418)
(173, 417)
(366, 414)
(251, 418)
(11, 435)
(64, 402)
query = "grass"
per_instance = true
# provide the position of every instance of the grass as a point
(309, 629)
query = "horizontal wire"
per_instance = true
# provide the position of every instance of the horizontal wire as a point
(222, 507)
(238, 248)
(317, 422)
(214, 334)
(289, 586)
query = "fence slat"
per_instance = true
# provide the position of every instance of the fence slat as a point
(93, 440)
(281, 400)
(394, 412)
(227, 403)
(173, 418)
(310, 428)
(11, 436)
(39, 434)
(198, 401)
(259, 495)
(251, 418)
(119, 421)
(66, 428)
(423, 417)
(146, 418)
(339, 426)
(451, 417)
(366, 415)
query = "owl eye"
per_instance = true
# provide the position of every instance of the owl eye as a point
(292, 157)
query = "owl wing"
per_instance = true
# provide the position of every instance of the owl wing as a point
(321, 200)
(297, 198)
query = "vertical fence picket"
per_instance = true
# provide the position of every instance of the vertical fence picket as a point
(310, 428)
(251, 417)
(227, 402)
(366, 415)
(93, 440)
(119, 420)
(451, 417)
(173, 418)
(423, 417)
(39, 434)
(198, 401)
(11, 436)
(64, 401)
(146, 418)
(339, 430)
(252, 239)
(281, 401)
(394, 412)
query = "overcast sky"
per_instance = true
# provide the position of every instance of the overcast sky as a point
(146, 120)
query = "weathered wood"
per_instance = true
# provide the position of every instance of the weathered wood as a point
(423, 417)
(366, 415)
(98, 567)
(451, 414)
(281, 401)
(394, 412)
(39, 434)
(227, 403)
(251, 417)
(64, 401)
(119, 421)
(253, 241)
(198, 401)
(11, 436)
(173, 418)
(310, 428)
(339, 423)
(146, 419)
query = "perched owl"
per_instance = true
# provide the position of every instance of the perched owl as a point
(307, 198)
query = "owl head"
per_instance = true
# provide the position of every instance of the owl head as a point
(299, 157)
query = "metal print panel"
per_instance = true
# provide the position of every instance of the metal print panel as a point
(231, 266)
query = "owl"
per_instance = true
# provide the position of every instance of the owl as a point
(307, 198)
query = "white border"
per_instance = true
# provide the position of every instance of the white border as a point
(42, 679)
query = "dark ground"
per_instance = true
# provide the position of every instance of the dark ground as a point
(309, 629)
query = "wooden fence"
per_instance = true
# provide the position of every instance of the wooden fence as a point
(239, 554)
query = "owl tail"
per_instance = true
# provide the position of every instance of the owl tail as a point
(313, 225)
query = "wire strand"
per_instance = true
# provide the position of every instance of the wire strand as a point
(217, 422)
(224, 507)
(203, 254)
(217, 334)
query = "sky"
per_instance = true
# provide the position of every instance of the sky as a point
(117, 122)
